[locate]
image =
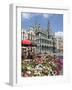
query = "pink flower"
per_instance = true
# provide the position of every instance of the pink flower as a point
(59, 65)
(27, 73)
(39, 61)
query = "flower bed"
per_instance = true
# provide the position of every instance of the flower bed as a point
(42, 66)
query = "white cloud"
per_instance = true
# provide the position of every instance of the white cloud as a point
(26, 15)
(59, 34)
(29, 16)
(46, 15)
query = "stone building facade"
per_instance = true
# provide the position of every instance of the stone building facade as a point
(43, 38)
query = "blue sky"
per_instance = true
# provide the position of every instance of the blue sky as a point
(29, 19)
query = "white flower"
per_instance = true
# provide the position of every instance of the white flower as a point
(29, 72)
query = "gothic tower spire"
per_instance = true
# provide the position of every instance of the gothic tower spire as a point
(49, 29)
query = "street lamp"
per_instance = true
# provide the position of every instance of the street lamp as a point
(39, 37)
(40, 43)
(53, 44)
(23, 35)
